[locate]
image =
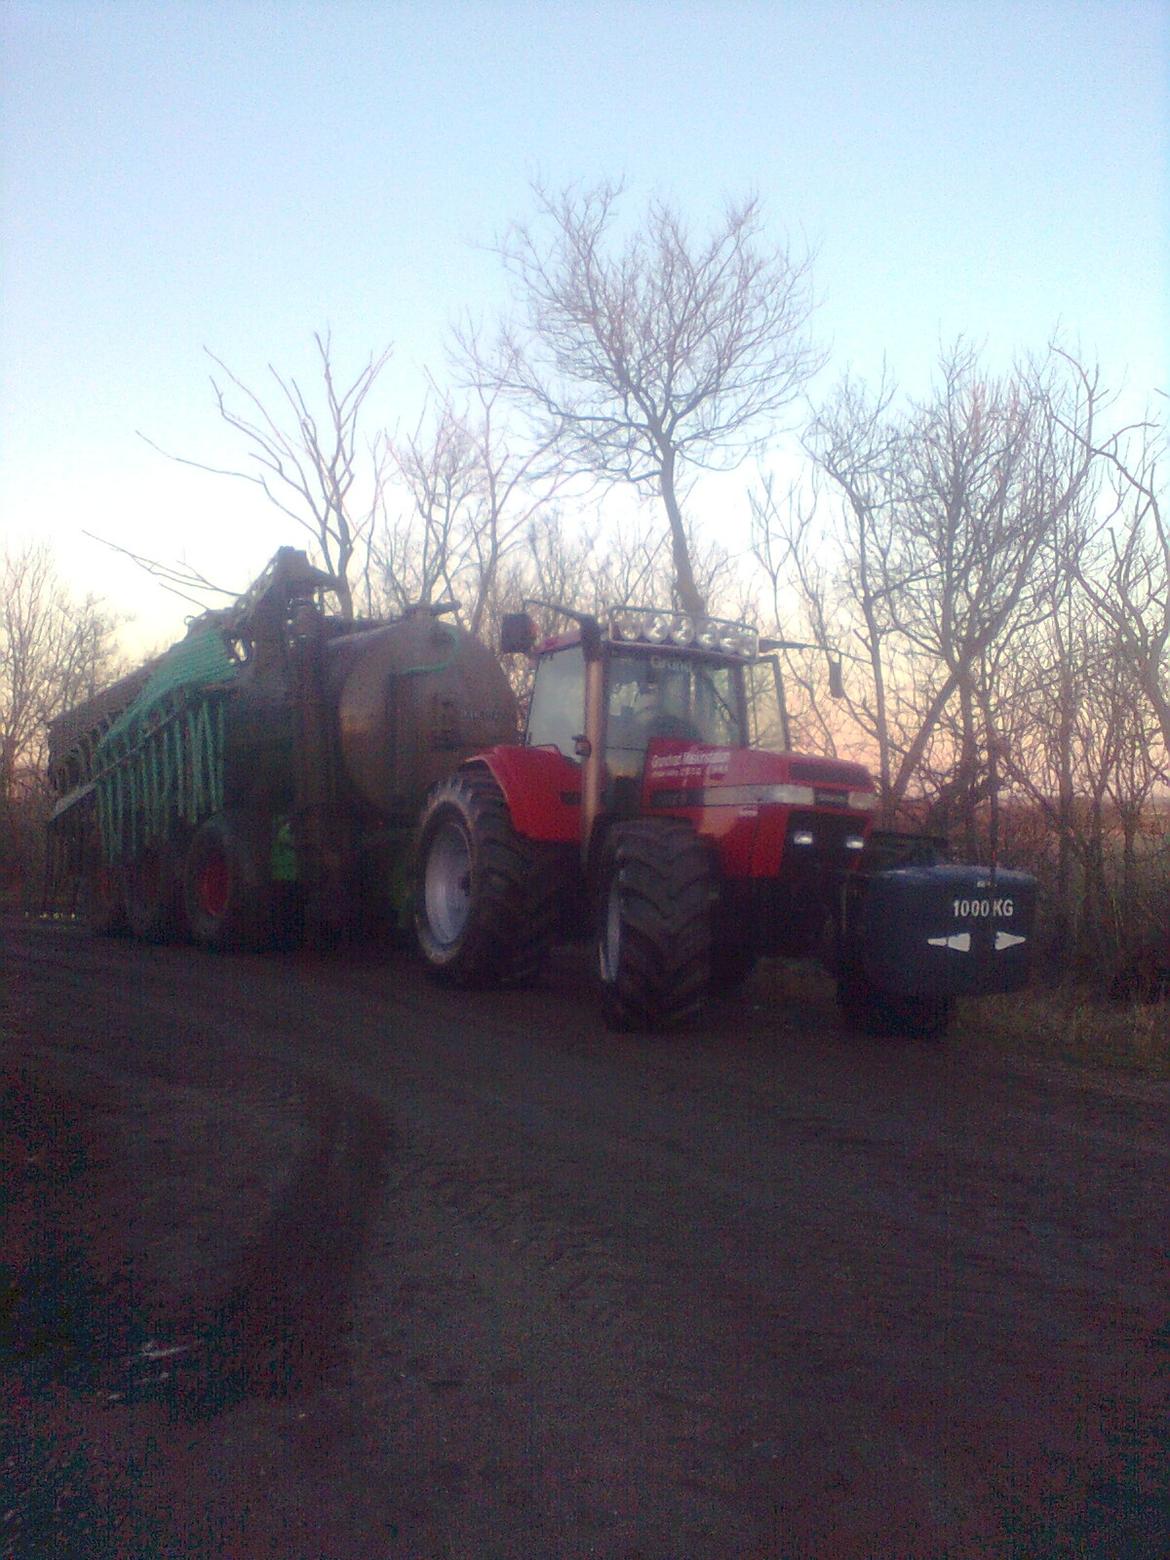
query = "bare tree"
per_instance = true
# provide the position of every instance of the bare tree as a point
(54, 652)
(930, 562)
(305, 460)
(1132, 592)
(998, 565)
(846, 577)
(646, 360)
(985, 474)
(415, 555)
(798, 607)
(474, 494)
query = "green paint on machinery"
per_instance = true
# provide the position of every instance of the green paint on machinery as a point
(162, 761)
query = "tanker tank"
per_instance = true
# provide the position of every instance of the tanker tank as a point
(412, 699)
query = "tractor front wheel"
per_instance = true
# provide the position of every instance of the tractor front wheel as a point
(483, 896)
(653, 925)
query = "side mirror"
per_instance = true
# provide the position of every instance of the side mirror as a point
(517, 634)
(836, 681)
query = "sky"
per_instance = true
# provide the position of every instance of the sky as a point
(234, 176)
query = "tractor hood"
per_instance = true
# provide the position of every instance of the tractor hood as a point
(692, 774)
(765, 814)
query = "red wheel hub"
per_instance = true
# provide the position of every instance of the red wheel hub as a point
(214, 887)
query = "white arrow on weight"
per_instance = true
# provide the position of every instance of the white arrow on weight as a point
(961, 941)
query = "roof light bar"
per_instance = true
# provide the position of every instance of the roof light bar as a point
(650, 625)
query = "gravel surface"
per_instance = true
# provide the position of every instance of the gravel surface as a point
(307, 1257)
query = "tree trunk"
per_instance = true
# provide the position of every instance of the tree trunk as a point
(344, 594)
(968, 772)
(684, 578)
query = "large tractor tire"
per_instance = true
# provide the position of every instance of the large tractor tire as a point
(484, 908)
(227, 894)
(102, 904)
(154, 896)
(654, 908)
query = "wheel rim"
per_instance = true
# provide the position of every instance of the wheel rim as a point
(214, 886)
(609, 944)
(447, 884)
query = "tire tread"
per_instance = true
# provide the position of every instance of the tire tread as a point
(664, 879)
(515, 883)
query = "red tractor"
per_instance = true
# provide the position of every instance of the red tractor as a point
(654, 800)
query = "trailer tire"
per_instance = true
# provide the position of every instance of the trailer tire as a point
(103, 899)
(484, 897)
(154, 896)
(653, 926)
(226, 892)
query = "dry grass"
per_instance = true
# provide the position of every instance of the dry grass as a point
(1068, 1024)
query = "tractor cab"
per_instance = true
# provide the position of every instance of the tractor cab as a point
(649, 687)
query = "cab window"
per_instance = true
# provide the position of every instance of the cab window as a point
(556, 714)
(767, 715)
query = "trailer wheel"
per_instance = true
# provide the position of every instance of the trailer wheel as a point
(484, 897)
(154, 902)
(653, 925)
(226, 893)
(886, 1014)
(103, 899)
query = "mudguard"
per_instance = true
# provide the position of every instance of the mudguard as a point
(542, 789)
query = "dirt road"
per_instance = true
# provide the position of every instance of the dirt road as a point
(308, 1258)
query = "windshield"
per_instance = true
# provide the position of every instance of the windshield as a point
(653, 696)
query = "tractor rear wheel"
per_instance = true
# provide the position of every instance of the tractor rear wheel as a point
(653, 925)
(484, 897)
(226, 892)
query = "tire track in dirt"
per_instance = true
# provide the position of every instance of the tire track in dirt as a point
(279, 1330)
(181, 1222)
